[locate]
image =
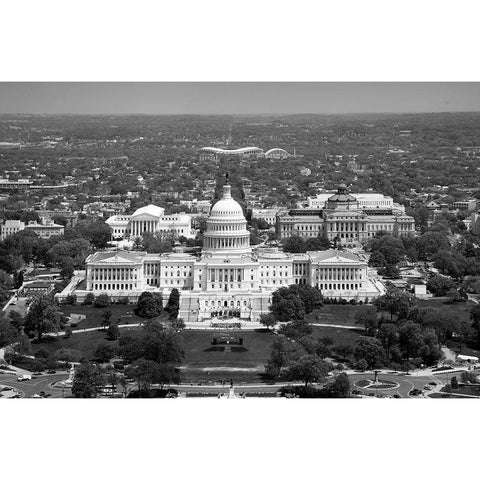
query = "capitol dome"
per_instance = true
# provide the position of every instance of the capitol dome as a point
(226, 232)
(227, 207)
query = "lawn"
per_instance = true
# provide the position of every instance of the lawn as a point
(340, 336)
(336, 314)
(85, 342)
(457, 311)
(202, 363)
(122, 314)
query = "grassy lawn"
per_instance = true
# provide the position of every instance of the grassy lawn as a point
(458, 311)
(341, 336)
(336, 314)
(94, 315)
(85, 342)
(197, 357)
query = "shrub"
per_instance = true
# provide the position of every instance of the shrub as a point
(89, 299)
(361, 365)
(102, 301)
(71, 299)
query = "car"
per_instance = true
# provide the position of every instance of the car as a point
(24, 378)
(36, 395)
(51, 371)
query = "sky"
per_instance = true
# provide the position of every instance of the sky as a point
(237, 98)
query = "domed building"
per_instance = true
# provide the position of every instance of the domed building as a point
(229, 281)
(226, 232)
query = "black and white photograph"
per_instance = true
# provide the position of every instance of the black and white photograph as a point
(304, 246)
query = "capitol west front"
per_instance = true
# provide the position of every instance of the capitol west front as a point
(228, 280)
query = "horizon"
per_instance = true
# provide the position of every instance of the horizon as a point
(238, 98)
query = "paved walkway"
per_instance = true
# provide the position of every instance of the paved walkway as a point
(348, 327)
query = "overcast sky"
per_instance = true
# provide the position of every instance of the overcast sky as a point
(240, 98)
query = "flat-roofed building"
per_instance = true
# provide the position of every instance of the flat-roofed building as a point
(11, 227)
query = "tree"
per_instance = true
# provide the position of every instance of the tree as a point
(106, 316)
(148, 372)
(86, 381)
(454, 383)
(390, 248)
(344, 351)
(113, 332)
(440, 285)
(6, 284)
(361, 365)
(311, 297)
(104, 352)
(162, 345)
(97, 232)
(130, 346)
(318, 243)
(367, 318)
(294, 244)
(102, 301)
(308, 368)
(42, 316)
(282, 354)
(68, 355)
(89, 299)
(8, 333)
(18, 278)
(173, 304)
(286, 306)
(149, 305)
(371, 350)
(296, 329)
(340, 387)
(396, 302)
(268, 320)
(178, 324)
(388, 335)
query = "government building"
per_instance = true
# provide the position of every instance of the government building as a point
(228, 279)
(346, 220)
(151, 219)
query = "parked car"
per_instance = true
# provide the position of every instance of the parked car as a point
(24, 378)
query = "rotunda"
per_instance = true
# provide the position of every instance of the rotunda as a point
(226, 233)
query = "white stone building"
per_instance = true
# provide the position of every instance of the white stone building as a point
(229, 279)
(10, 227)
(150, 219)
(346, 219)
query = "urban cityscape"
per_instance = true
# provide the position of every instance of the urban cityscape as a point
(240, 256)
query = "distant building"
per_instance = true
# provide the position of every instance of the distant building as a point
(150, 219)
(11, 227)
(465, 205)
(267, 214)
(45, 230)
(346, 219)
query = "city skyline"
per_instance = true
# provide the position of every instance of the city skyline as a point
(240, 98)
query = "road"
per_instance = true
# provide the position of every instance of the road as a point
(44, 383)
(406, 383)
(41, 383)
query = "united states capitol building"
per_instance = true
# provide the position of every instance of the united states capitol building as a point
(228, 279)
